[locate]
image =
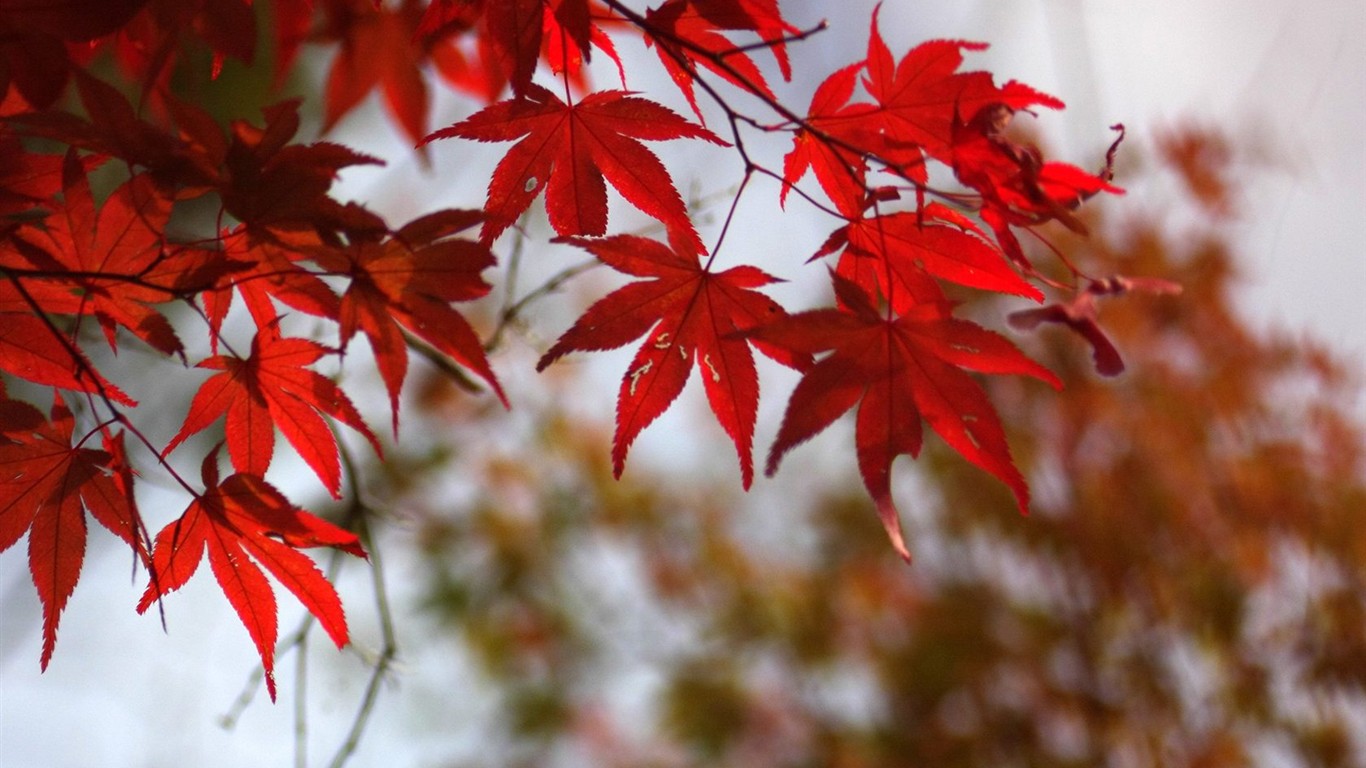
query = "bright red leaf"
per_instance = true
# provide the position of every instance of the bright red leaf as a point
(77, 255)
(907, 248)
(243, 522)
(269, 270)
(568, 150)
(273, 388)
(763, 17)
(898, 370)
(572, 29)
(689, 33)
(920, 96)
(45, 481)
(687, 314)
(829, 143)
(1017, 185)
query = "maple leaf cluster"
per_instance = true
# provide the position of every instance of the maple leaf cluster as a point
(282, 244)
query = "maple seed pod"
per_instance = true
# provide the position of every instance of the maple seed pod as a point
(993, 119)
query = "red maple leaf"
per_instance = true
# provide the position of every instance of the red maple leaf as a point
(514, 29)
(468, 63)
(446, 17)
(907, 248)
(292, 22)
(920, 96)
(522, 32)
(688, 314)
(409, 281)
(32, 347)
(689, 33)
(273, 388)
(27, 179)
(266, 181)
(112, 127)
(241, 522)
(760, 16)
(113, 262)
(568, 150)
(480, 47)
(377, 52)
(828, 143)
(1017, 185)
(45, 482)
(269, 269)
(899, 370)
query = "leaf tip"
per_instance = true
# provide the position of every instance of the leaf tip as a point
(49, 643)
(891, 522)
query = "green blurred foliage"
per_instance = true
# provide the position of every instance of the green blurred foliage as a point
(1187, 592)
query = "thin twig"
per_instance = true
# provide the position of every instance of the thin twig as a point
(387, 653)
(734, 75)
(794, 37)
(439, 359)
(512, 313)
(301, 705)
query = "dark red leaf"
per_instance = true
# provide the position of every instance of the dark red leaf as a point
(899, 370)
(240, 522)
(409, 281)
(70, 19)
(1081, 316)
(687, 314)
(107, 262)
(568, 151)
(378, 52)
(45, 482)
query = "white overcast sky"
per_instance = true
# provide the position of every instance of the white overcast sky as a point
(1292, 75)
